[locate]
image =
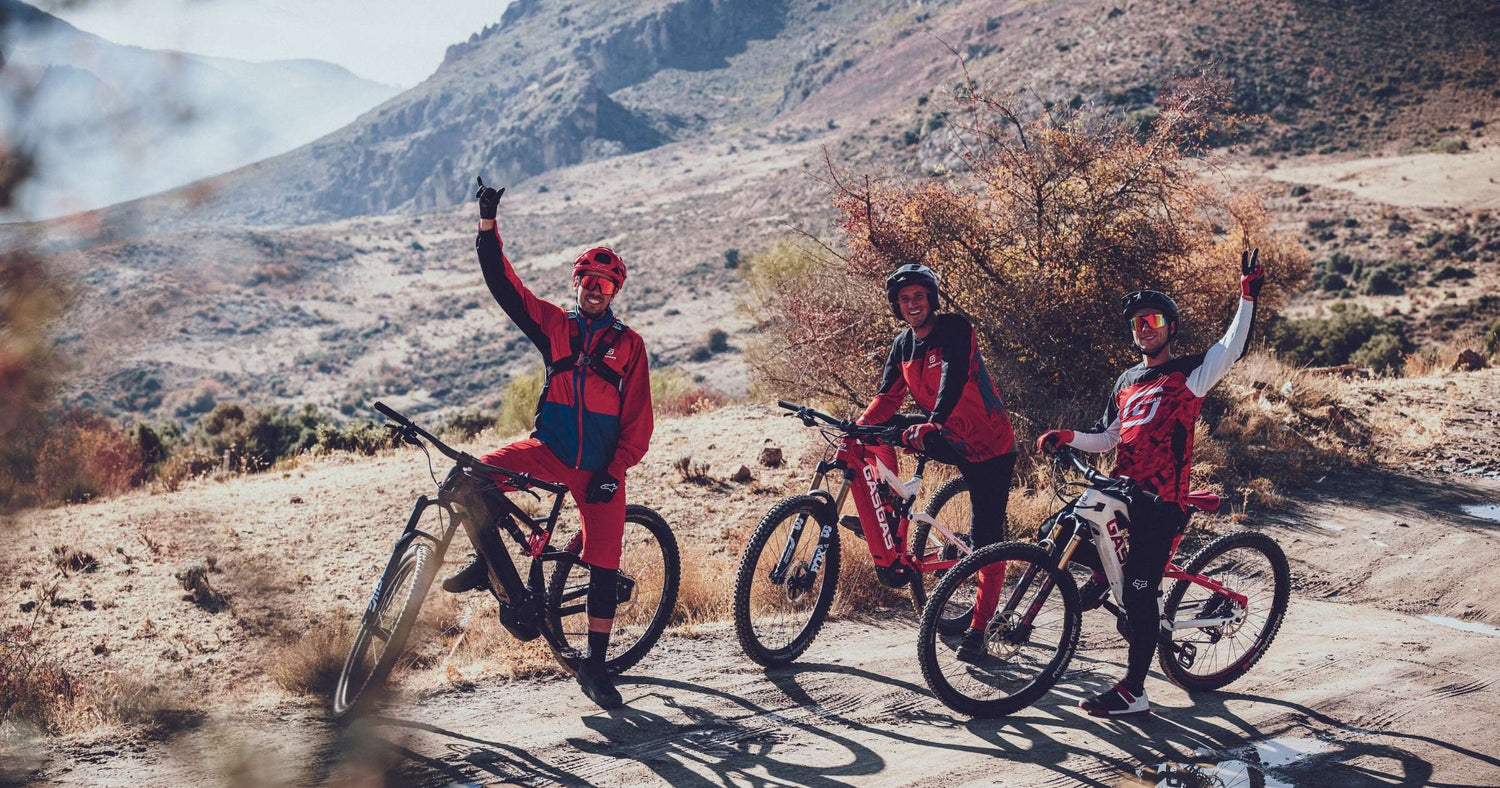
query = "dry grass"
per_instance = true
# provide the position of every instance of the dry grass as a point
(692, 472)
(1271, 426)
(860, 593)
(311, 664)
(706, 590)
(1439, 360)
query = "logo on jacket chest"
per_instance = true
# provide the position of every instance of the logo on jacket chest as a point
(1143, 406)
(610, 354)
(934, 359)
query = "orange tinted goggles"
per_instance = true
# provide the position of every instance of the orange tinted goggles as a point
(604, 285)
(1155, 320)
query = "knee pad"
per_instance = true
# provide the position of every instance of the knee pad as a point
(603, 592)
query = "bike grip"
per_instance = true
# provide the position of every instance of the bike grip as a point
(386, 411)
(788, 405)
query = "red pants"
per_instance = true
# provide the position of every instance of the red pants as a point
(603, 523)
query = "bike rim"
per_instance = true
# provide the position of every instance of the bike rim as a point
(1223, 649)
(643, 561)
(1016, 657)
(780, 612)
(370, 647)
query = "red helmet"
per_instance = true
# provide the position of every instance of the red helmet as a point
(600, 260)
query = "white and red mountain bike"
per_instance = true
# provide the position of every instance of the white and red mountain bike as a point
(1217, 618)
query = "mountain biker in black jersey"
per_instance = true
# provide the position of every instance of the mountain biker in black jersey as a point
(965, 423)
(593, 421)
(1150, 417)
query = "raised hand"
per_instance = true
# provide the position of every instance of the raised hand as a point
(1251, 274)
(489, 199)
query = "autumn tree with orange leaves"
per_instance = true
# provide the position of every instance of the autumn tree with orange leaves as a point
(1059, 214)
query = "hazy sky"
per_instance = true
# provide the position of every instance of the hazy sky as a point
(398, 42)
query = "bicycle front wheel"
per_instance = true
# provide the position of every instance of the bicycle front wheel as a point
(1209, 657)
(1028, 639)
(780, 599)
(646, 591)
(386, 625)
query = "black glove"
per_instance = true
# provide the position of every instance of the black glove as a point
(1251, 275)
(602, 488)
(489, 199)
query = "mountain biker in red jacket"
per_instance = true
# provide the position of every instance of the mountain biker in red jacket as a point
(1150, 417)
(965, 423)
(593, 419)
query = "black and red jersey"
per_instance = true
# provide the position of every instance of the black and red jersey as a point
(1153, 410)
(948, 380)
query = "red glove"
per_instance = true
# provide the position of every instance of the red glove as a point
(1051, 439)
(916, 434)
(1251, 275)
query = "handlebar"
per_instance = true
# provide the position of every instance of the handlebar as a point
(1126, 486)
(864, 432)
(410, 432)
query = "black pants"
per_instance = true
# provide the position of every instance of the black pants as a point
(989, 488)
(1152, 529)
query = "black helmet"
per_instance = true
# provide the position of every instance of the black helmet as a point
(911, 274)
(1149, 299)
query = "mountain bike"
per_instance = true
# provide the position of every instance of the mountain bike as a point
(1217, 620)
(789, 572)
(470, 495)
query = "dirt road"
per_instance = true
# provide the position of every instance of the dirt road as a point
(1371, 697)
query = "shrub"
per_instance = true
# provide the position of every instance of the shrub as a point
(674, 392)
(85, 456)
(359, 437)
(731, 258)
(1492, 339)
(464, 425)
(1383, 282)
(1060, 217)
(255, 439)
(311, 664)
(35, 687)
(718, 340)
(1335, 338)
(518, 402)
(1382, 353)
(1450, 272)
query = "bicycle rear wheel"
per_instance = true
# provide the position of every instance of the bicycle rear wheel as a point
(780, 603)
(385, 627)
(1029, 639)
(950, 507)
(650, 572)
(1207, 658)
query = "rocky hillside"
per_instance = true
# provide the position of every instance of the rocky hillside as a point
(555, 83)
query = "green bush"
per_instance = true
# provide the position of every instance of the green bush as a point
(1336, 338)
(1382, 353)
(359, 437)
(1492, 339)
(1333, 283)
(255, 439)
(518, 402)
(466, 424)
(1450, 272)
(1382, 282)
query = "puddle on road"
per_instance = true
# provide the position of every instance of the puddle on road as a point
(1467, 626)
(1238, 768)
(1484, 511)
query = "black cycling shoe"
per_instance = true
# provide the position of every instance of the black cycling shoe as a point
(471, 578)
(971, 648)
(594, 679)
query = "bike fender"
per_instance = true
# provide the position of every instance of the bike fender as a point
(825, 514)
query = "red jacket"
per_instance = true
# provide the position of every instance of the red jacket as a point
(947, 379)
(588, 421)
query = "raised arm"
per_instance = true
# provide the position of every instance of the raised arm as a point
(1232, 346)
(531, 314)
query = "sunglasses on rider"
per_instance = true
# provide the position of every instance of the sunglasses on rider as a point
(1154, 320)
(604, 285)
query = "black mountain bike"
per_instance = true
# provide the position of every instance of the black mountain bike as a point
(470, 497)
(1217, 618)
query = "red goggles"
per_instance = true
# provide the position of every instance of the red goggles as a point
(603, 284)
(1154, 320)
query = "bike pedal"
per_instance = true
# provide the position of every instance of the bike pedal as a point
(851, 522)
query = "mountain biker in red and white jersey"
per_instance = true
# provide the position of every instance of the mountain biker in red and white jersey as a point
(593, 419)
(965, 424)
(1150, 417)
